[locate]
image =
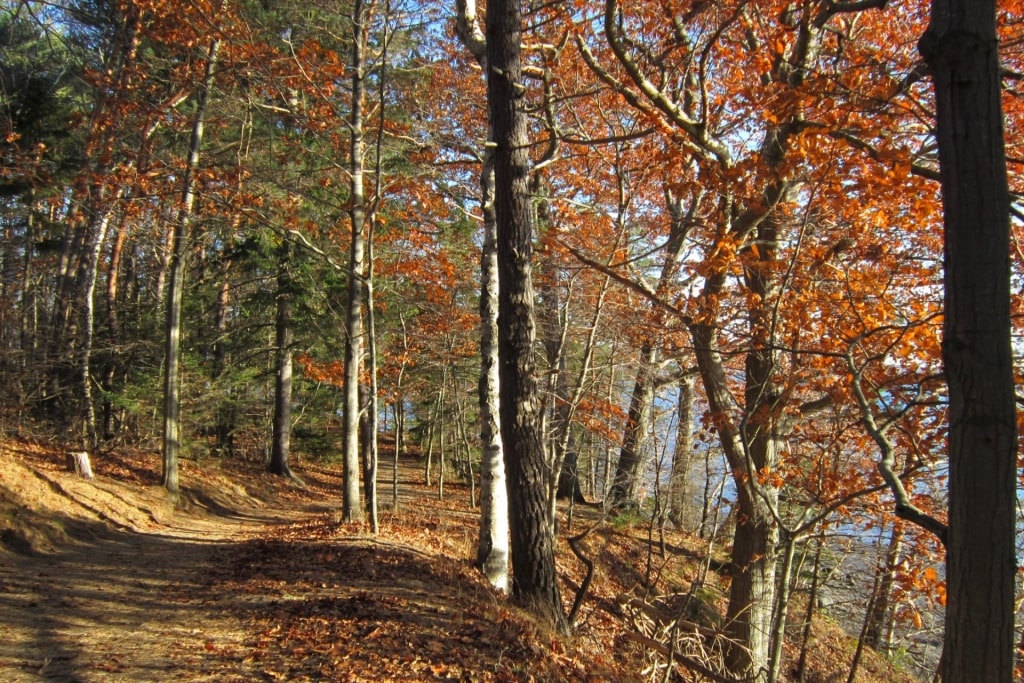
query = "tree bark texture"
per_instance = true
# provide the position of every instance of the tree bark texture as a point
(960, 47)
(493, 550)
(679, 484)
(534, 580)
(493, 545)
(172, 348)
(628, 471)
(352, 504)
(280, 449)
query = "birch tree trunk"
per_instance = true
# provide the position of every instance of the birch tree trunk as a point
(492, 548)
(90, 264)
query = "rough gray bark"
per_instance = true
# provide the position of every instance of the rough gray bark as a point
(679, 483)
(626, 481)
(961, 49)
(534, 580)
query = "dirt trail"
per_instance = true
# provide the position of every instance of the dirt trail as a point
(105, 580)
(124, 606)
(250, 579)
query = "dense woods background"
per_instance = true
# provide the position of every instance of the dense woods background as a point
(261, 231)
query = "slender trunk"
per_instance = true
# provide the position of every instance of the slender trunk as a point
(878, 633)
(566, 465)
(781, 610)
(179, 239)
(812, 602)
(628, 471)
(113, 303)
(679, 493)
(858, 651)
(90, 266)
(353, 508)
(368, 458)
(399, 422)
(370, 448)
(440, 434)
(225, 412)
(29, 327)
(280, 449)
(492, 547)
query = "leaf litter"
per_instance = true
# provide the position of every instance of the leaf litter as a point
(251, 578)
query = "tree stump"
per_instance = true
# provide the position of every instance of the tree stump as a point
(78, 462)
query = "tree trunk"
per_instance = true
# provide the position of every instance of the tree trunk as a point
(352, 504)
(778, 635)
(492, 548)
(280, 449)
(90, 265)
(812, 603)
(370, 449)
(172, 347)
(752, 592)
(114, 365)
(960, 46)
(628, 472)
(225, 416)
(534, 580)
(679, 489)
(878, 633)
(626, 483)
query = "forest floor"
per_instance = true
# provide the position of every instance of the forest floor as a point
(253, 578)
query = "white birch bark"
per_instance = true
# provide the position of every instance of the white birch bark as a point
(493, 546)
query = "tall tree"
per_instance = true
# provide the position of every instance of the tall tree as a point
(961, 49)
(534, 579)
(720, 77)
(280, 440)
(354, 340)
(492, 547)
(179, 238)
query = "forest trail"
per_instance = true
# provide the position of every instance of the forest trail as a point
(251, 578)
(248, 579)
(129, 605)
(105, 580)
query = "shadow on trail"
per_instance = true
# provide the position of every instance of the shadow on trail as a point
(352, 606)
(111, 606)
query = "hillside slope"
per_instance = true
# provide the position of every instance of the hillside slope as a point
(251, 578)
